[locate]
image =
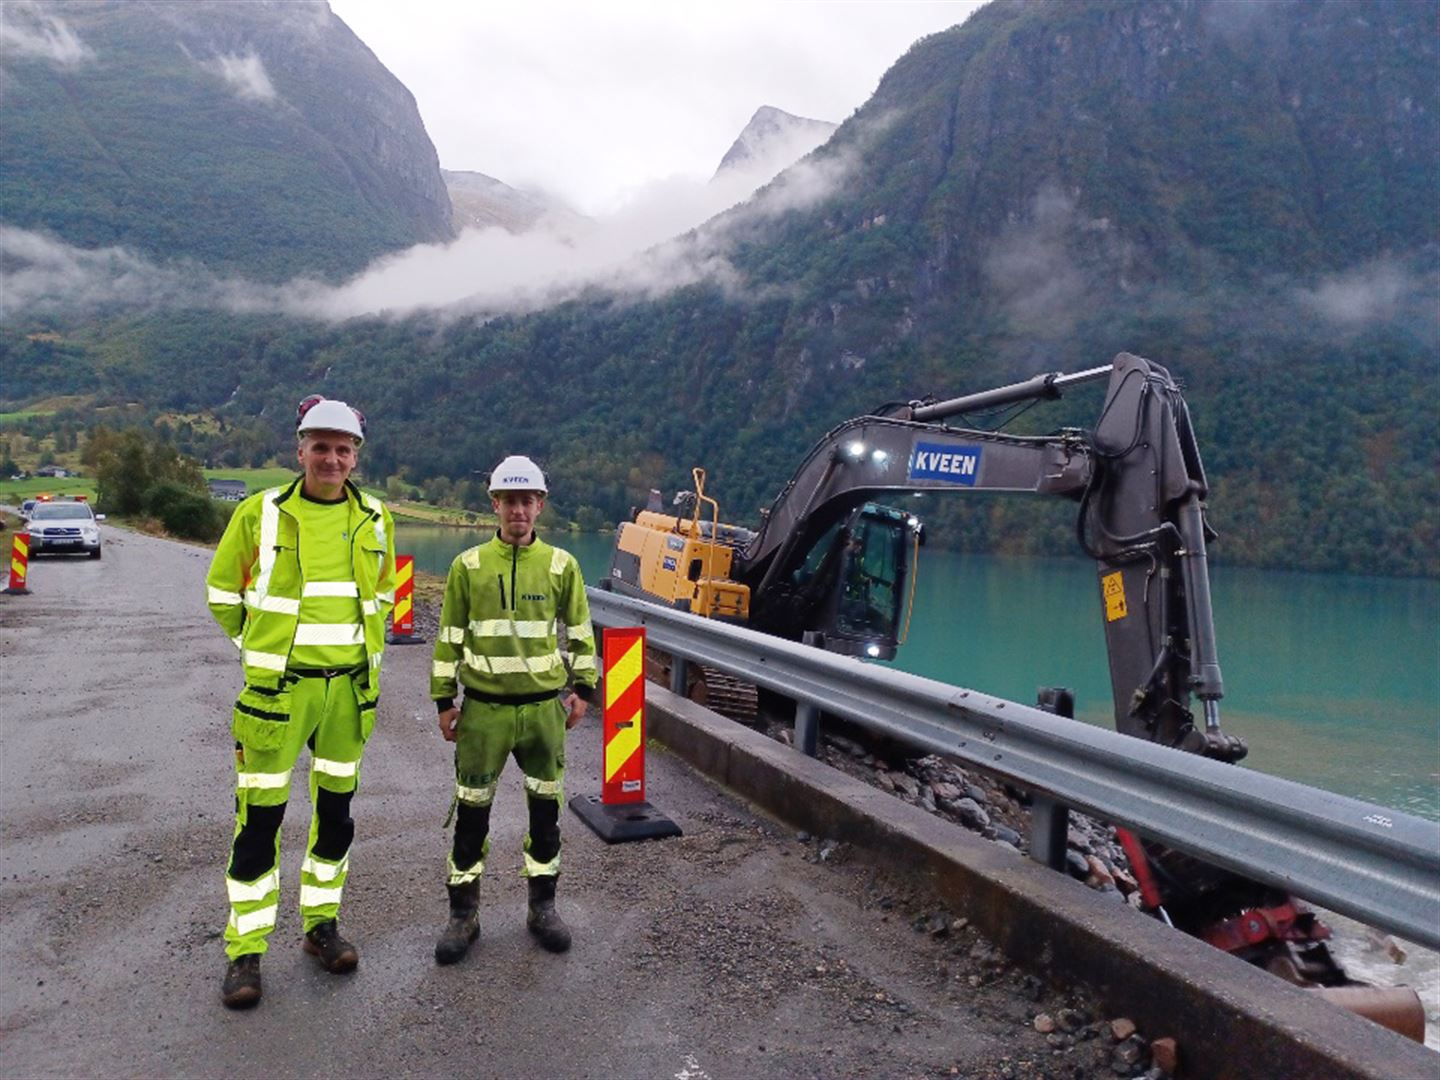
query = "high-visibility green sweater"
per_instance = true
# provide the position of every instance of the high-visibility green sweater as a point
(256, 581)
(498, 623)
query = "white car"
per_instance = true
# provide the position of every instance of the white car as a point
(64, 527)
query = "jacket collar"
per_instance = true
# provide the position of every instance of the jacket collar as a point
(352, 496)
(505, 548)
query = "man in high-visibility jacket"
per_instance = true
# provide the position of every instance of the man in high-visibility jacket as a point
(498, 643)
(301, 583)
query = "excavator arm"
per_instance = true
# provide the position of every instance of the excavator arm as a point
(1140, 488)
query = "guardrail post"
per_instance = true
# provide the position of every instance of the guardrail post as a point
(679, 675)
(1050, 820)
(1049, 826)
(807, 716)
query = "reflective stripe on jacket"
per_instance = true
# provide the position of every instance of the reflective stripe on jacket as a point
(498, 622)
(255, 581)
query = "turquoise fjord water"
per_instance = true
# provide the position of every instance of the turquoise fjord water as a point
(1334, 681)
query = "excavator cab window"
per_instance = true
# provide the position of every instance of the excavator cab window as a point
(871, 576)
(815, 562)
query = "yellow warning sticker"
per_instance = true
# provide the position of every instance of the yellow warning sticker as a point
(1113, 587)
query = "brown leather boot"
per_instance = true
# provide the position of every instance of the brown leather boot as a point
(336, 955)
(241, 988)
(543, 920)
(464, 925)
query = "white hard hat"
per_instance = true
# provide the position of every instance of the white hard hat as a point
(517, 473)
(318, 413)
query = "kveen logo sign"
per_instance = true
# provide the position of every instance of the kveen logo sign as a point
(949, 464)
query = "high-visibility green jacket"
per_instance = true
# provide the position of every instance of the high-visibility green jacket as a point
(255, 582)
(498, 623)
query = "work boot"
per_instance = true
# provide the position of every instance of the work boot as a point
(241, 988)
(543, 920)
(336, 955)
(464, 925)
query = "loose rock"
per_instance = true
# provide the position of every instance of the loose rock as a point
(1099, 876)
(1165, 1054)
(1133, 1051)
(971, 815)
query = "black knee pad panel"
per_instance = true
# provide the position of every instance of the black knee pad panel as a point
(472, 825)
(336, 826)
(254, 851)
(544, 828)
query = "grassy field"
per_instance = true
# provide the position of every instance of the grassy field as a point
(15, 491)
(255, 479)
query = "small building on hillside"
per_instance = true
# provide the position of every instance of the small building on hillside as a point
(228, 490)
(53, 471)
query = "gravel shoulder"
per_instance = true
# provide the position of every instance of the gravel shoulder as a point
(740, 949)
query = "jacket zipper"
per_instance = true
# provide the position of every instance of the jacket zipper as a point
(514, 555)
(500, 583)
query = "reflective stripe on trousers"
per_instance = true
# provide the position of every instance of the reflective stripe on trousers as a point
(329, 711)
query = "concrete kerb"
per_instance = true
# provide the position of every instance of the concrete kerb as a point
(1229, 1018)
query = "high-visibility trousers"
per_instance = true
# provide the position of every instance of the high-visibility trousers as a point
(334, 716)
(488, 734)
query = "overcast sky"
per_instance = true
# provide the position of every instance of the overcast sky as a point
(593, 100)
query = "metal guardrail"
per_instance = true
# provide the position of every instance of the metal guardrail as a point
(1375, 864)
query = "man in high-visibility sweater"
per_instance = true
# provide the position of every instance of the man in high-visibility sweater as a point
(498, 643)
(302, 582)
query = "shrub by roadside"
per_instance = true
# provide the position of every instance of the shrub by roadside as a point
(186, 512)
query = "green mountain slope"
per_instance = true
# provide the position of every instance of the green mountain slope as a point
(261, 138)
(1242, 192)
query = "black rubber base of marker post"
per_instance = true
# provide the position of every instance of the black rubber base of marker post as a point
(626, 821)
(403, 639)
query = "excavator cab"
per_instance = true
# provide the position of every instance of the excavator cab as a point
(852, 583)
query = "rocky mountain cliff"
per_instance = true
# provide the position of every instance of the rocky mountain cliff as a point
(260, 137)
(1052, 155)
(482, 202)
(773, 140)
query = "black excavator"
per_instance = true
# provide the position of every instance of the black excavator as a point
(832, 565)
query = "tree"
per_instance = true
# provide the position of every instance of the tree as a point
(590, 519)
(129, 463)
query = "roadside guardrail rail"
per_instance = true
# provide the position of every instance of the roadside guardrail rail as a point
(1375, 864)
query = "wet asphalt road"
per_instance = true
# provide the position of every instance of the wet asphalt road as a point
(734, 951)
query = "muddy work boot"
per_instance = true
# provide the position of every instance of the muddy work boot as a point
(464, 925)
(336, 955)
(543, 920)
(241, 988)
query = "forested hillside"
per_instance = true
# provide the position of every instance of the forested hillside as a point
(257, 138)
(1243, 193)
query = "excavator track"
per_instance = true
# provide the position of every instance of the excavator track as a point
(726, 695)
(710, 687)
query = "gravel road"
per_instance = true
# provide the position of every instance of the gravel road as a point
(737, 950)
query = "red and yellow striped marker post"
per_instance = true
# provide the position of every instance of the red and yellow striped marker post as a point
(19, 564)
(623, 780)
(620, 812)
(402, 615)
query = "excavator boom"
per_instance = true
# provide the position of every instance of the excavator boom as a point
(829, 565)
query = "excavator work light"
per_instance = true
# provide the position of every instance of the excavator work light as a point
(880, 456)
(856, 449)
